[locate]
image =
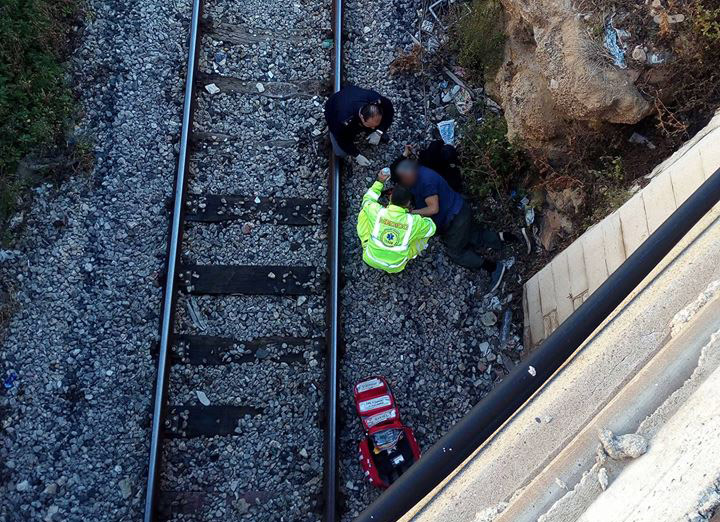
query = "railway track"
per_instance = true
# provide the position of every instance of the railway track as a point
(248, 349)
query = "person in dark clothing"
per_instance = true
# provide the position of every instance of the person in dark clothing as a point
(437, 156)
(443, 159)
(434, 198)
(352, 111)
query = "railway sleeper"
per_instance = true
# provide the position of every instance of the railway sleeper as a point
(195, 420)
(192, 502)
(210, 350)
(251, 280)
(213, 208)
(276, 90)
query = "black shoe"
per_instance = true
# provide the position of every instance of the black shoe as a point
(496, 277)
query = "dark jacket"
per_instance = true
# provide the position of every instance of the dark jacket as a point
(439, 157)
(341, 114)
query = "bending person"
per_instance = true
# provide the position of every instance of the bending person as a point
(391, 236)
(461, 234)
(352, 111)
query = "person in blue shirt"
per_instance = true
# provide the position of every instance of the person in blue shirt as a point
(461, 234)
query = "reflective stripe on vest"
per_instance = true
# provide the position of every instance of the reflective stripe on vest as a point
(368, 253)
(406, 239)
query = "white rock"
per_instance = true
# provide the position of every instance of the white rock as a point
(125, 489)
(260, 87)
(603, 478)
(202, 398)
(531, 371)
(639, 54)
(22, 486)
(51, 512)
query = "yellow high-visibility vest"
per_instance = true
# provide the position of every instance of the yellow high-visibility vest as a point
(390, 236)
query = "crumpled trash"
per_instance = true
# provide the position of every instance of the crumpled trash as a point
(529, 211)
(641, 140)
(328, 43)
(656, 58)
(613, 44)
(447, 131)
(463, 101)
(10, 379)
(451, 94)
(505, 329)
(219, 61)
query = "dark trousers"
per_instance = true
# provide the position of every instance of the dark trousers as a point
(463, 235)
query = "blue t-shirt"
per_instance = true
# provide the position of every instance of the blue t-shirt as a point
(430, 183)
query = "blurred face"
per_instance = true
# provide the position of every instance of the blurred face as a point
(407, 177)
(372, 122)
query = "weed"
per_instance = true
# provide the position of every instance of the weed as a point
(609, 188)
(490, 162)
(410, 62)
(481, 38)
(35, 100)
(707, 22)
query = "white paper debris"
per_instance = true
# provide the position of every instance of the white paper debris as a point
(212, 88)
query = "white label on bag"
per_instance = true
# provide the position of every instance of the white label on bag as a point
(369, 385)
(373, 404)
(397, 460)
(374, 420)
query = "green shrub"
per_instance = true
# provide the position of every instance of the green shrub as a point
(490, 162)
(481, 38)
(707, 22)
(35, 100)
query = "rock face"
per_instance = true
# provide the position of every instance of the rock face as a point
(556, 75)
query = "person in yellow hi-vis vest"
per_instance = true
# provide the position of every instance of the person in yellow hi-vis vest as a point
(391, 236)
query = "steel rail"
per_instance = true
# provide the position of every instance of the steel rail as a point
(501, 404)
(173, 258)
(330, 461)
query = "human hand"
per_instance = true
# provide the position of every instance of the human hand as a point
(362, 160)
(383, 175)
(374, 138)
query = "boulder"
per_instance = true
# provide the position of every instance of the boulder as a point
(555, 226)
(556, 76)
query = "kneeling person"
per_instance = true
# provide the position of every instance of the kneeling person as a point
(391, 236)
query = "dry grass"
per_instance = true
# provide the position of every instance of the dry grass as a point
(408, 63)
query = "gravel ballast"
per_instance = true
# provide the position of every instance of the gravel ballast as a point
(75, 436)
(261, 141)
(423, 328)
(74, 443)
